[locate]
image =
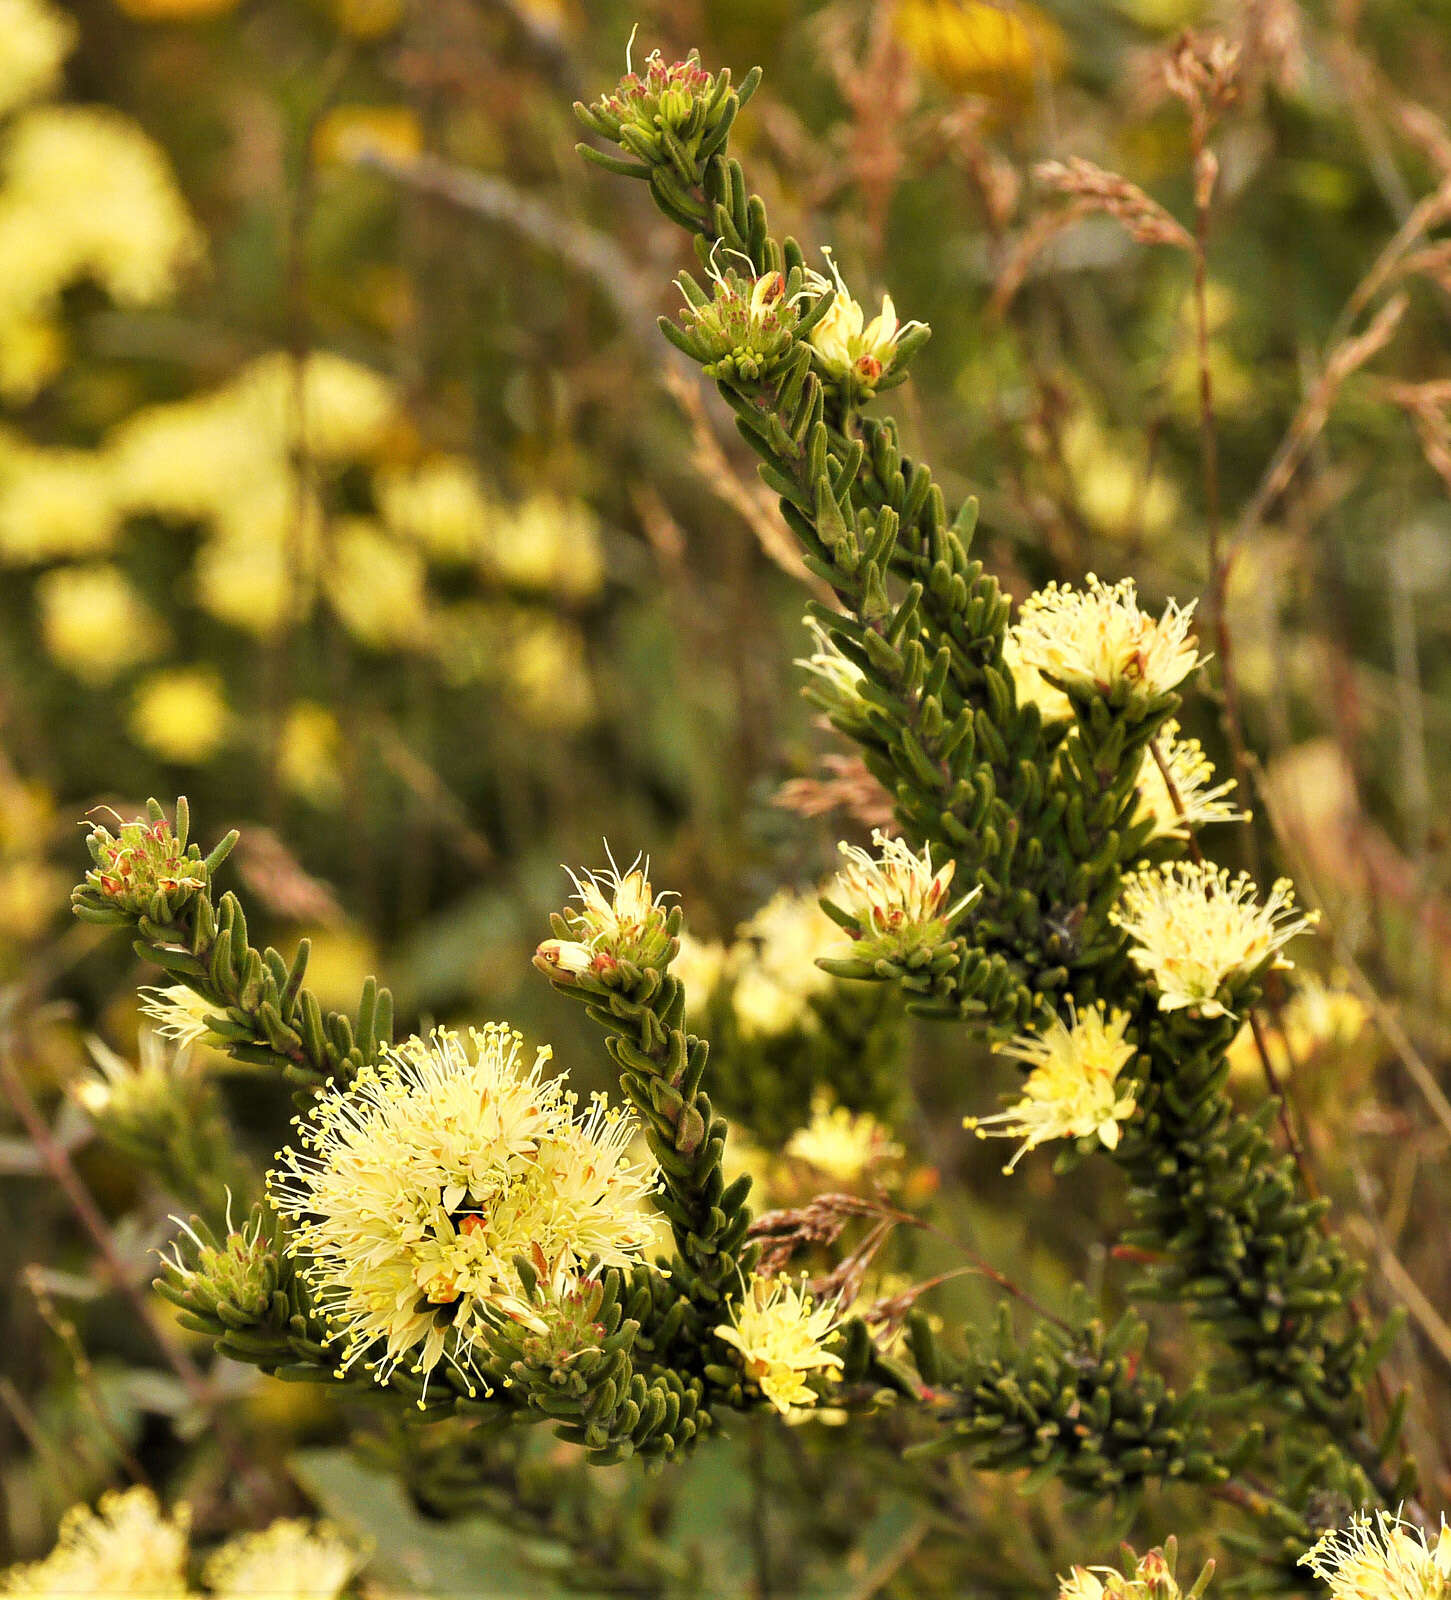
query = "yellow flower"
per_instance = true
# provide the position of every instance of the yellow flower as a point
(896, 898)
(55, 503)
(174, 10)
(842, 1145)
(1196, 930)
(1096, 640)
(1073, 1090)
(181, 715)
(772, 966)
(700, 964)
(1003, 47)
(619, 918)
(1118, 492)
(85, 194)
(368, 19)
(1152, 1578)
(782, 1336)
(291, 1560)
(94, 623)
(179, 1014)
(124, 1547)
(546, 545)
(838, 680)
(377, 586)
(1382, 1558)
(1202, 800)
(1031, 687)
(548, 672)
(349, 134)
(849, 346)
(414, 1190)
(441, 504)
(1319, 1021)
(309, 755)
(37, 38)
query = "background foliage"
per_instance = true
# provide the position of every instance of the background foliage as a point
(512, 588)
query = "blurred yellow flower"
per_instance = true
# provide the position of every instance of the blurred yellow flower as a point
(440, 503)
(180, 715)
(1118, 493)
(84, 193)
(37, 38)
(547, 668)
(126, 1546)
(341, 958)
(843, 1146)
(377, 586)
(773, 964)
(367, 19)
(546, 545)
(309, 755)
(347, 134)
(30, 893)
(1321, 1022)
(174, 10)
(991, 47)
(55, 503)
(94, 623)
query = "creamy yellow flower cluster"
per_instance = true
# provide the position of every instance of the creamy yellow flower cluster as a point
(129, 1547)
(413, 1191)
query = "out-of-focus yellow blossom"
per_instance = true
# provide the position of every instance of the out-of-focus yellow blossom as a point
(54, 504)
(85, 194)
(140, 1093)
(174, 10)
(341, 959)
(34, 39)
(1116, 490)
(348, 134)
(291, 1560)
(548, 670)
(991, 47)
(30, 892)
(32, 350)
(126, 1546)
(547, 545)
(252, 584)
(1320, 1021)
(348, 409)
(440, 503)
(181, 715)
(309, 755)
(700, 966)
(842, 1145)
(1233, 383)
(367, 19)
(94, 623)
(1032, 687)
(773, 964)
(783, 1338)
(377, 586)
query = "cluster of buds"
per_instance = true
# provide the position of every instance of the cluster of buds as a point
(861, 356)
(673, 113)
(146, 869)
(1146, 1577)
(230, 1282)
(620, 923)
(743, 330)
(894, 905)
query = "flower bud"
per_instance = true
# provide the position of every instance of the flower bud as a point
(896, 901)
(745, 329)
(144, 869)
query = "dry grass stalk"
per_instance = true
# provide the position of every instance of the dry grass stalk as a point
(1426, 404)
(849, 788)
(1099, 190)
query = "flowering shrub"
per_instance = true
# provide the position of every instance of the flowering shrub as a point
(734, 1245)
